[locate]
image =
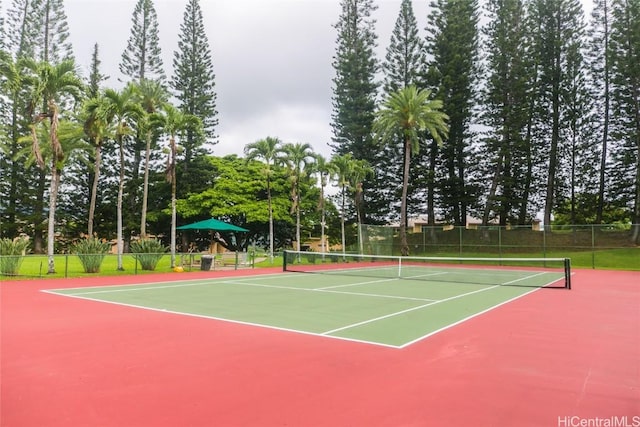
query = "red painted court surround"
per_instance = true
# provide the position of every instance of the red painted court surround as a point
(553, 356)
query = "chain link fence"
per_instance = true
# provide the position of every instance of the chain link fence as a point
(592, 245)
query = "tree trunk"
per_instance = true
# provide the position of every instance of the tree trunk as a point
(404, 250)
(492, 191)
(635, 229)
(173, 200)
(605, 118)
(51, 237)
(145, 189)
(431, 184)
(94, 188)
(342, 220)
(38, 220)
(120, 243)
(270, 219)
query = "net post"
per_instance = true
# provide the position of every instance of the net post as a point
(284, 260)
(567, 273)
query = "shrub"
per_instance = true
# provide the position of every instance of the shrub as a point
(11, 253)
(91, 253)
(148, 252)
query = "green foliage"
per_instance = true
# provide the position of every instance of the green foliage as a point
(148, 252)
(91, 253)
(11, 253)
(355, 86)
(142, 59)
(193, 81)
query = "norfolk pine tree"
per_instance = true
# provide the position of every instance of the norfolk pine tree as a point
(52, 41)
(193, 81)
(453, 45)
(142, 57)
(3, 32)
(600, 67)
(558, 30)
(625, 41)
(505, 101)
(354, 84)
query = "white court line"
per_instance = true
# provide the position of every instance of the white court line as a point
(451, 325)
(408, 310)
(358, 283)
(179, 282)
(524, 278)
(146, 288)
(329, 290)
(222, 319)
(435, 303)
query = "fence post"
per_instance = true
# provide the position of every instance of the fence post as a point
(593, 247)
(66, 266)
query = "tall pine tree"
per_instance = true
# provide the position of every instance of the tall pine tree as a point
(142, 58)
(558, 32)
(3, 32)
(453, 45)
(625, 41)
(193, 82)
(505, 112)
(600, 67)
(52, 41)
(354, 91)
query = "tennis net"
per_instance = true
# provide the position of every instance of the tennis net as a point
(530, 272)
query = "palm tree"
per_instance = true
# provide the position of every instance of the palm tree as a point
(98, 129)
(297, 157)
(343, 166)
(151, 95)
(49, 85)
(172, 122)
(325, 170)
(350, 173)
(406, 113)
(360, 169)
(122, 110)
(266, 149)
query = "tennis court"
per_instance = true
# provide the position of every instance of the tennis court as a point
(364, 300)
(357, 343)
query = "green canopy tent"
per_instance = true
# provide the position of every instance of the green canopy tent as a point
(212, 225)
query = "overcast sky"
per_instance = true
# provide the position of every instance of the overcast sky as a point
(272, 59)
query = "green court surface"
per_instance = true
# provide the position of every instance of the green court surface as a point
(384, 311)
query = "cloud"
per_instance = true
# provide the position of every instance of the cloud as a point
(293, 123)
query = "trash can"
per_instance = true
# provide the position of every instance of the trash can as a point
(206, 261)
